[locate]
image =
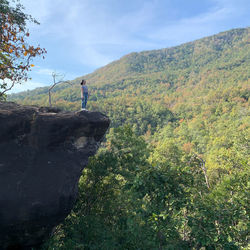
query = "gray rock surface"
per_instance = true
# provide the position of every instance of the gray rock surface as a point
(42, 154)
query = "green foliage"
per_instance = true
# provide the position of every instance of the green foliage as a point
(16, 12)
(102, 218)
(131, 197)
(220, 219)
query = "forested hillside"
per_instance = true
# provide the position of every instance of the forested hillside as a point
(189, 79)
(176, 174)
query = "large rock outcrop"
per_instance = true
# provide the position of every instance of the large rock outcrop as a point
(42, 154)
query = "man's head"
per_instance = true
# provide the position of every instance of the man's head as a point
(83, 82)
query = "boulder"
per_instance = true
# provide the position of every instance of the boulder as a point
(42, 154)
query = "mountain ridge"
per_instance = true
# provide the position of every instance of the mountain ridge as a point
(193, 80)
(134, 68)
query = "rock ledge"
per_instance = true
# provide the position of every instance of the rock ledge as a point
(42, 154)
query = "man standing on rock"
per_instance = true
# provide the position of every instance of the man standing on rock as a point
(84, 94)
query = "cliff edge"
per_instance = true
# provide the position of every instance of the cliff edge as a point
(42, 154)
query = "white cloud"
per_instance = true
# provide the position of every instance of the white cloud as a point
(46, 72)
(136, 21)
(39, 9)
(29, 85)
(43, 71)
(83, 27)
(192, 28)
(94, 58)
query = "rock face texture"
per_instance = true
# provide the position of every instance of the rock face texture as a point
(42, 154)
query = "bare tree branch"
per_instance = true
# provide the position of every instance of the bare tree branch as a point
(54, 76)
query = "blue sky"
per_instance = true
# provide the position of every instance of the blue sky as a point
(83, 35)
